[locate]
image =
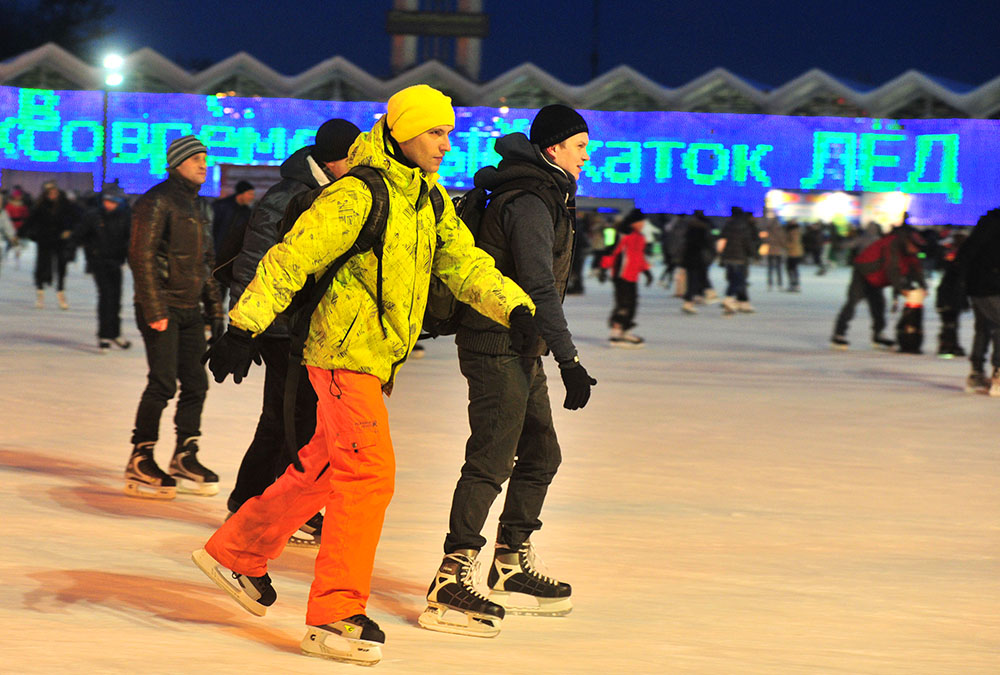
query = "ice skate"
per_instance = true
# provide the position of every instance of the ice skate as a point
(357, 639)
(517, 583)
(977, 383)
(624, 339)
(879, 341)
(745, 307)
(309, 534)
(729, 306)
(839, 342)
(121, 343)
(711, 297)
(995, 383)
(255, 594)
(453, 603)
(144, 479)
(689, 308)
(103, 346)
(39, 299)
(192, 477)
(61, 299)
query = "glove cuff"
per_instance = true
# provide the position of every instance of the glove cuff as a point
(572, 363)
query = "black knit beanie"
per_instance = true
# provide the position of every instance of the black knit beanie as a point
(333, 139)
(241, 187)
(554, 124)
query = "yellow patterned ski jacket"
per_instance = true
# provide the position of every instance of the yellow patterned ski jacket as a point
(345, 332)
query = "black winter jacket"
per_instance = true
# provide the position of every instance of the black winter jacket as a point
(171, 252)
(529, 244)
(978, 258)
(104, 234)
(298, 174)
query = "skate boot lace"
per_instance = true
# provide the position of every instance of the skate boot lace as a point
(467, 577)
(533, 565)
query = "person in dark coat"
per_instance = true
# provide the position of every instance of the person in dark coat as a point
(104, 235)
(737, 246)
(978, 262)
(308, 168)
(50, 225)
(230, 216)
(951, 299)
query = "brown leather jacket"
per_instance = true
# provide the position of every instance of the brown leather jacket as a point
(171, 252)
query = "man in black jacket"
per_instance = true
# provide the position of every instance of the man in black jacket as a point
(171, 257)
(104, 234)
(528, 229)
(308, 168)
(978, 263)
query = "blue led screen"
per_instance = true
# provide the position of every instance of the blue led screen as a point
(665, 161)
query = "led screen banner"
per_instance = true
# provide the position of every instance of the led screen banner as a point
(667, 162)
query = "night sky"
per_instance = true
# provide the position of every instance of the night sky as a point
(670, 42)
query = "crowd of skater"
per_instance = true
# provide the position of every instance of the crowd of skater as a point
(320, 469)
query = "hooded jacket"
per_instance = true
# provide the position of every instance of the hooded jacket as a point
(530, 236)
(345, 331)
(299, 173)
(171, 253)
(888, 262)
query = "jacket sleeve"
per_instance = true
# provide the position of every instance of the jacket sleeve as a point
(470, 273)
(320, 235)
(211, 296)
(528, 225)
(148, 222)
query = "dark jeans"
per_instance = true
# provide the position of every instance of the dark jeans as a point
(47, 254)
(792, 265)
(859, 290)
(986, 314)
(266, 458)
(774, 270)
(626, 299)
(172, 355)
(697, 281)
(512, 437)
(108, 279)
(736, 281)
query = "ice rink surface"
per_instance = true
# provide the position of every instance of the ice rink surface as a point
(736, 498)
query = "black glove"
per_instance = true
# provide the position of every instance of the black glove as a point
(649, 277)
(218, 328)
(232, 353)
(578, 384)
(523, 332)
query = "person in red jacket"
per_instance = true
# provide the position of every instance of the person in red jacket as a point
(889, 261)
(627, 261)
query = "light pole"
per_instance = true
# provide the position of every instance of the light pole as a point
(113, 77)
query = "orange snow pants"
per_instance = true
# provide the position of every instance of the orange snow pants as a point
(350, 469)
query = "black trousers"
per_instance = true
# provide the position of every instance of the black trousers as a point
(986, 316)
(266, 458)
(859, 290)
(172, 355)
(697, 281)
(49, 253)
(512, 438)
(108, 279)
(626, 300)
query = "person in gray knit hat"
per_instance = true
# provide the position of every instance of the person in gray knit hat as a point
(171, 257)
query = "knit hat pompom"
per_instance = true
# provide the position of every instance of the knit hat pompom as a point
(414, 110)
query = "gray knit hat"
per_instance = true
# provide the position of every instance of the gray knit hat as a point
(182, 148)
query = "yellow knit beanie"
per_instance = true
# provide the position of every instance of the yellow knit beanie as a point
(414, 110)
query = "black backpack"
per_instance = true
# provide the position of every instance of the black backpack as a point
(444, 311)
(307, 299)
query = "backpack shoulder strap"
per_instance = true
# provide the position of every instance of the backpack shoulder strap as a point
(437, 202)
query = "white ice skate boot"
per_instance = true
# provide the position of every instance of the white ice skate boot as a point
(729, 306)
(255, 594)
(143, 478)
(453, 603)
(518, 583)
(357, 639)
(192, 477)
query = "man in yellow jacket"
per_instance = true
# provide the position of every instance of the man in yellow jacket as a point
(354, 347)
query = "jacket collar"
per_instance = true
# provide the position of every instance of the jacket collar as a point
(371, 149)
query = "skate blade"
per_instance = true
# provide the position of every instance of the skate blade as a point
(207, 564)
(143, 491)
(528, 605)
(457, 622)
(839, 348)
(301, 542)
(358, 652)
(186, 486)
(627, 345)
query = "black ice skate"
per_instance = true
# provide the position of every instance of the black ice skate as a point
(255, 594)
(879, 341)
(453, 603)
(839, 342)
(518, 584)
(143, 478)
(357, 639)
(309, 534)
(192, 477)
